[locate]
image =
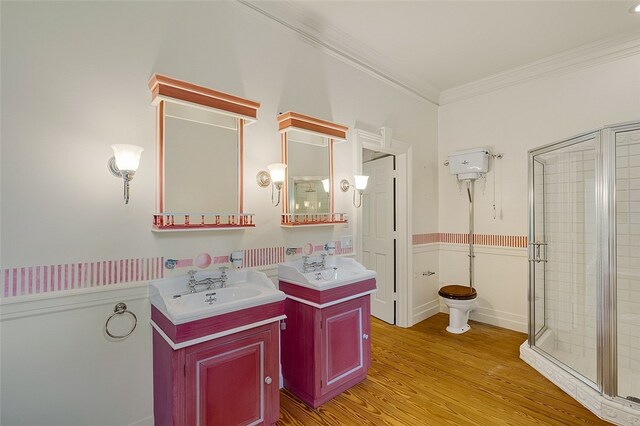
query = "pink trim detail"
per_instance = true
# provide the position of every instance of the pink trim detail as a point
(326, 296)
(221, 259)
(480, 239)
(38, 279)
(184, 263)
(200, 328)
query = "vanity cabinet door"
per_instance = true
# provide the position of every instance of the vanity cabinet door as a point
(233, 380)
(345, 343)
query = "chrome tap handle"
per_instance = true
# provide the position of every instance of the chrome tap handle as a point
(192, 281)
(223, 275)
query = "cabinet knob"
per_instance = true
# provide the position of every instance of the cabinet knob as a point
(365, 336)
(268, 380)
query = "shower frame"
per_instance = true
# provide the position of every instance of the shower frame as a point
(606, 255)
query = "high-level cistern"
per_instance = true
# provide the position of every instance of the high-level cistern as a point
(468, 166)
(209, 282)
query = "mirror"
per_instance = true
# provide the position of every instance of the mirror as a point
(307, 145)
(308, 167)
(200, 142)
(200, 162)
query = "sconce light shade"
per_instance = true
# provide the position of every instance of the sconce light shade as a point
(276, 170)
(360, 182)
(325, 185)
(124, 164)
(359, 187)
(275, 177)
(127, 156)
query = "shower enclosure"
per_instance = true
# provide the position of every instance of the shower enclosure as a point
(584, 268)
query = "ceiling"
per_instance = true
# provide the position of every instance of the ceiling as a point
(430, 47)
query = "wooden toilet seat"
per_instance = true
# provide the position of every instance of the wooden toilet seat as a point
(458, 292)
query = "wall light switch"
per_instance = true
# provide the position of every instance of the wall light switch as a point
(346, 241)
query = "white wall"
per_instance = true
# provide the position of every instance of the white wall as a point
(512, 121)
(60, 368)
(74, 81)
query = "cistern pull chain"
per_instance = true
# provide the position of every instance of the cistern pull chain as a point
(495, 177)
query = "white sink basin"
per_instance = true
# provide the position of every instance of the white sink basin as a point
(338, 271)
(244, 289)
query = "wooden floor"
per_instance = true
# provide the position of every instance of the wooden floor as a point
(426, 376)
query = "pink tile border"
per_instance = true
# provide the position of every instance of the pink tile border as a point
(28, 280)
(274, 255)
(263, 256)
(425, 238)
(516, 241)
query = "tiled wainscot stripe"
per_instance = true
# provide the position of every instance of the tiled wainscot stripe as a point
(28, 280)
(517, 241)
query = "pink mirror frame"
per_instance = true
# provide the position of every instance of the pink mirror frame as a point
(166, 89)
(289, 122)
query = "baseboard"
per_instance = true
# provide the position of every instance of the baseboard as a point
(501, 319)
(424, 311)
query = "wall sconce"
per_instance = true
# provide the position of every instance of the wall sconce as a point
(124, 164)
(360, 186)
(274, 177)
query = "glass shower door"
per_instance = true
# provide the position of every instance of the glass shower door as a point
(538, 250)
(563, 253)
(627, 205)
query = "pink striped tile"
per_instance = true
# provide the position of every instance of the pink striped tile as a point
(480, 239)
(37, 279)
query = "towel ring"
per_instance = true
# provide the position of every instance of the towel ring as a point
(120, 309)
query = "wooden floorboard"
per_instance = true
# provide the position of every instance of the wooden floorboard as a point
(424, 375)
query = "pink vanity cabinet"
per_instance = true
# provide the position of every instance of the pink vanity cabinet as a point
(213, 371)
(325, 343)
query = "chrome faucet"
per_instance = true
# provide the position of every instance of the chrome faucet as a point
(209, 282)
(308, 266)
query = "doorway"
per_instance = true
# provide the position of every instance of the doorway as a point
(401, 152)
(379, 231)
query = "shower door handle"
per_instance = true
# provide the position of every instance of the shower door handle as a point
(538, 255)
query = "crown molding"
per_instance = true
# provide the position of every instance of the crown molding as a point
(607, 50)
(363, 62)
(350, 51)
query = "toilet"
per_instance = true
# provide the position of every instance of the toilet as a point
(460, 300)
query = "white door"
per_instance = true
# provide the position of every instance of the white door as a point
(378, 239)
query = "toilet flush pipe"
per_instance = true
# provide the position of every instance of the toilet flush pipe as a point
(471, 254)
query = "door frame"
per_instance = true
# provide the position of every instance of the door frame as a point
(383, 142)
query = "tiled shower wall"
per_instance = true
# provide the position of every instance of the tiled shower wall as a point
(628, 261)
(570, 221)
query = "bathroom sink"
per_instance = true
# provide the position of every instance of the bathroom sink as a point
(338, 271)
(244, 289)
